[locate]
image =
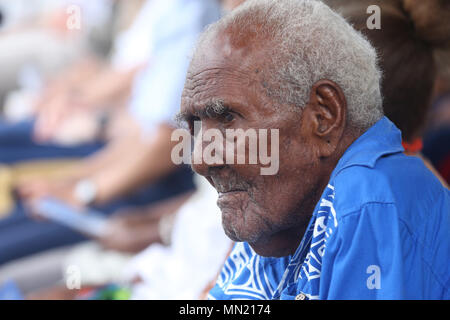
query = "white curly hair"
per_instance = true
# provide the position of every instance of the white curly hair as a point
(309, 42)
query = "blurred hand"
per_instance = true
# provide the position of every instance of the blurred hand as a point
(31, 191)
(134, 230)
(60, 109)
(130, 232)
(49, 117)
(80, 127)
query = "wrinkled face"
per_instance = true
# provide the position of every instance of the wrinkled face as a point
(255, 208)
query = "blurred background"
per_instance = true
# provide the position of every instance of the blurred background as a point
(91, 205)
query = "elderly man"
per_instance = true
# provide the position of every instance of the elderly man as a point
(347, 215)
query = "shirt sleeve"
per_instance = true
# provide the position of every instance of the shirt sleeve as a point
(363, 259)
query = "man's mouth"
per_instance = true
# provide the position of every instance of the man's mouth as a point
(227, 186)
(230, 192)
(228, 199)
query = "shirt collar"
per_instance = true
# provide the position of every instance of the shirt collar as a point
(381, 139)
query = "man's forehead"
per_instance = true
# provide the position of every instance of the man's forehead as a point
(217, 80)
(231, 85)
(222, 52)
(222, 71)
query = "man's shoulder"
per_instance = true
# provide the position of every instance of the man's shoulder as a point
(395, 179)
(398, 190)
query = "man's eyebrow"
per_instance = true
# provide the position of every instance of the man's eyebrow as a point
(182, 117)
(213, 109)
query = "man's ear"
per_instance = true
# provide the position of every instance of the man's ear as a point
(326, 111)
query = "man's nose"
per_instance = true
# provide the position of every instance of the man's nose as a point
(208, 151)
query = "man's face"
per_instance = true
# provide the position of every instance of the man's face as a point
(255, 208)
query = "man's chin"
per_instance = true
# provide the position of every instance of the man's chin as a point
(238, 235)
(232, 236)
(263, 244)
(242, 226)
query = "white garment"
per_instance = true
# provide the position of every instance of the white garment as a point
(199, 248)
(157, 90)
(132, 47)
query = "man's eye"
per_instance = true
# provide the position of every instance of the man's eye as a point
(228, 117)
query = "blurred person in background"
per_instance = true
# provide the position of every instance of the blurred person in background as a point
(178, 267)
(140, 154)
(413, 48)
(26, 26)
(75, 105)
(436, 142)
